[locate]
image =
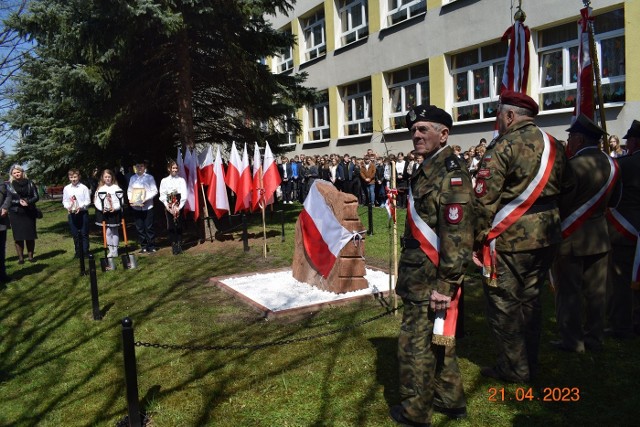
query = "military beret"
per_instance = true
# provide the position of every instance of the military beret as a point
(634, 130)
(585, 126)
(428, 113)
(518, 99)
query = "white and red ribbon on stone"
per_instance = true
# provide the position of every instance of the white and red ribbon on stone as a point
(627, 229)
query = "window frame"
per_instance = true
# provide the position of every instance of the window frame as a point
(284, 61)
(418, 82)
(314, 111)
(350, 103)
(407, 8)
(309, 23)
(361, 31)
(567, 85)
(496, 68)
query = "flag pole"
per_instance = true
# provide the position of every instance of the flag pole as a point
(596, 75)
(263, 202)
(394, 274)
(207, 218)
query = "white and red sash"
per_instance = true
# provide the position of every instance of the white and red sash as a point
(511, 212)
(444, 326)
(627, 229)
(420, 230)
(580, 215)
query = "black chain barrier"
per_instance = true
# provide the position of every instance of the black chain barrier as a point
(268, 344)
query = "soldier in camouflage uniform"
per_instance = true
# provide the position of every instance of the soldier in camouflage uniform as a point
(442, 197)
(523, 250)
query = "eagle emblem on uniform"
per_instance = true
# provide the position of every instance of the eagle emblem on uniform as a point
(412, 115)
(454, 213)
(480, 188)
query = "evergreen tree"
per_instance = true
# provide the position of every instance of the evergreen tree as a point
(114, 79)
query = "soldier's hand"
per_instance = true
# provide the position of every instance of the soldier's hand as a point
(439, 301)
(477, 260)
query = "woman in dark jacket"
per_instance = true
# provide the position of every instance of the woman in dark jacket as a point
(22, 211)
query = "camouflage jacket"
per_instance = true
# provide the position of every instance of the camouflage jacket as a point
(443, 197)
(628, 204)
(506, 170)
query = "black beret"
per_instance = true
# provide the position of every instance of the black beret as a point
(585, 126)
(634, 130)
(518, 99)
(429, 113)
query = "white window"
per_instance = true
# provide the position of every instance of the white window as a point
(401, 10)
(284, 61)
(476, 82)
(314, 35)
(407, 88)
(357, 108)
(558, 50)
(353, 19)
(319, 119)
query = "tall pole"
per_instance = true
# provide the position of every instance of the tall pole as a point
(596, 75)
(394, 249)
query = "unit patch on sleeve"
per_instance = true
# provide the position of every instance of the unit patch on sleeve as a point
(455, 181)
(484, 173)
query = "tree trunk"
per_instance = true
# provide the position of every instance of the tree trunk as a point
(184, 92)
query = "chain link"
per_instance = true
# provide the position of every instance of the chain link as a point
(267, 344)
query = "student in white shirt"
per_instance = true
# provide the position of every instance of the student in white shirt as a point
(141, 192)
(76, 200)
(173, 195)
(107, 202)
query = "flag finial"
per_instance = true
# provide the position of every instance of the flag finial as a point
(520, 15)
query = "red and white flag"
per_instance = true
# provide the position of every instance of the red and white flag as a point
(243, 195)
(257, 197)
(217, 191)
(270, 175)
(515, 75)
(232, 177)
(191, 169)
(516, 65)
(584, 92)
(322, 234)
(205, 165)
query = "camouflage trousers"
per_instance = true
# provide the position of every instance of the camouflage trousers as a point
(514, 311)
(429, 373)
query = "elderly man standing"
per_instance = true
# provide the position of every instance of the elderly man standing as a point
(580, 269)
(517, 232)
(436, 248)
(624, 226)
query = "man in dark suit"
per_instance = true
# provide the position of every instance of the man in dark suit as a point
(580, 269)
(344, 174)
(284, 168)
(623, 292)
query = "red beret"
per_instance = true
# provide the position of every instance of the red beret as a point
(518, 99)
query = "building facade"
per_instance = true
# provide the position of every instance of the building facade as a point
(372, 60)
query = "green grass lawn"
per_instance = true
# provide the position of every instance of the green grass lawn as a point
(59, 367)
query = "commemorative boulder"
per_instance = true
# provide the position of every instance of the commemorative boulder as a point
(329, 251)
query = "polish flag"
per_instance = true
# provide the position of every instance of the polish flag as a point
(322, 234)
(584, 90)
(257, 197)
(271, 177)
(243, 194)
(217, 191)
(232, 177)
(191, 169)
(205, 165)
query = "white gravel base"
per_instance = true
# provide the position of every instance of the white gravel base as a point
(279, 291)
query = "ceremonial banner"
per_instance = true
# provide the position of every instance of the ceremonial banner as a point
(584, 93)
(217, 191)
